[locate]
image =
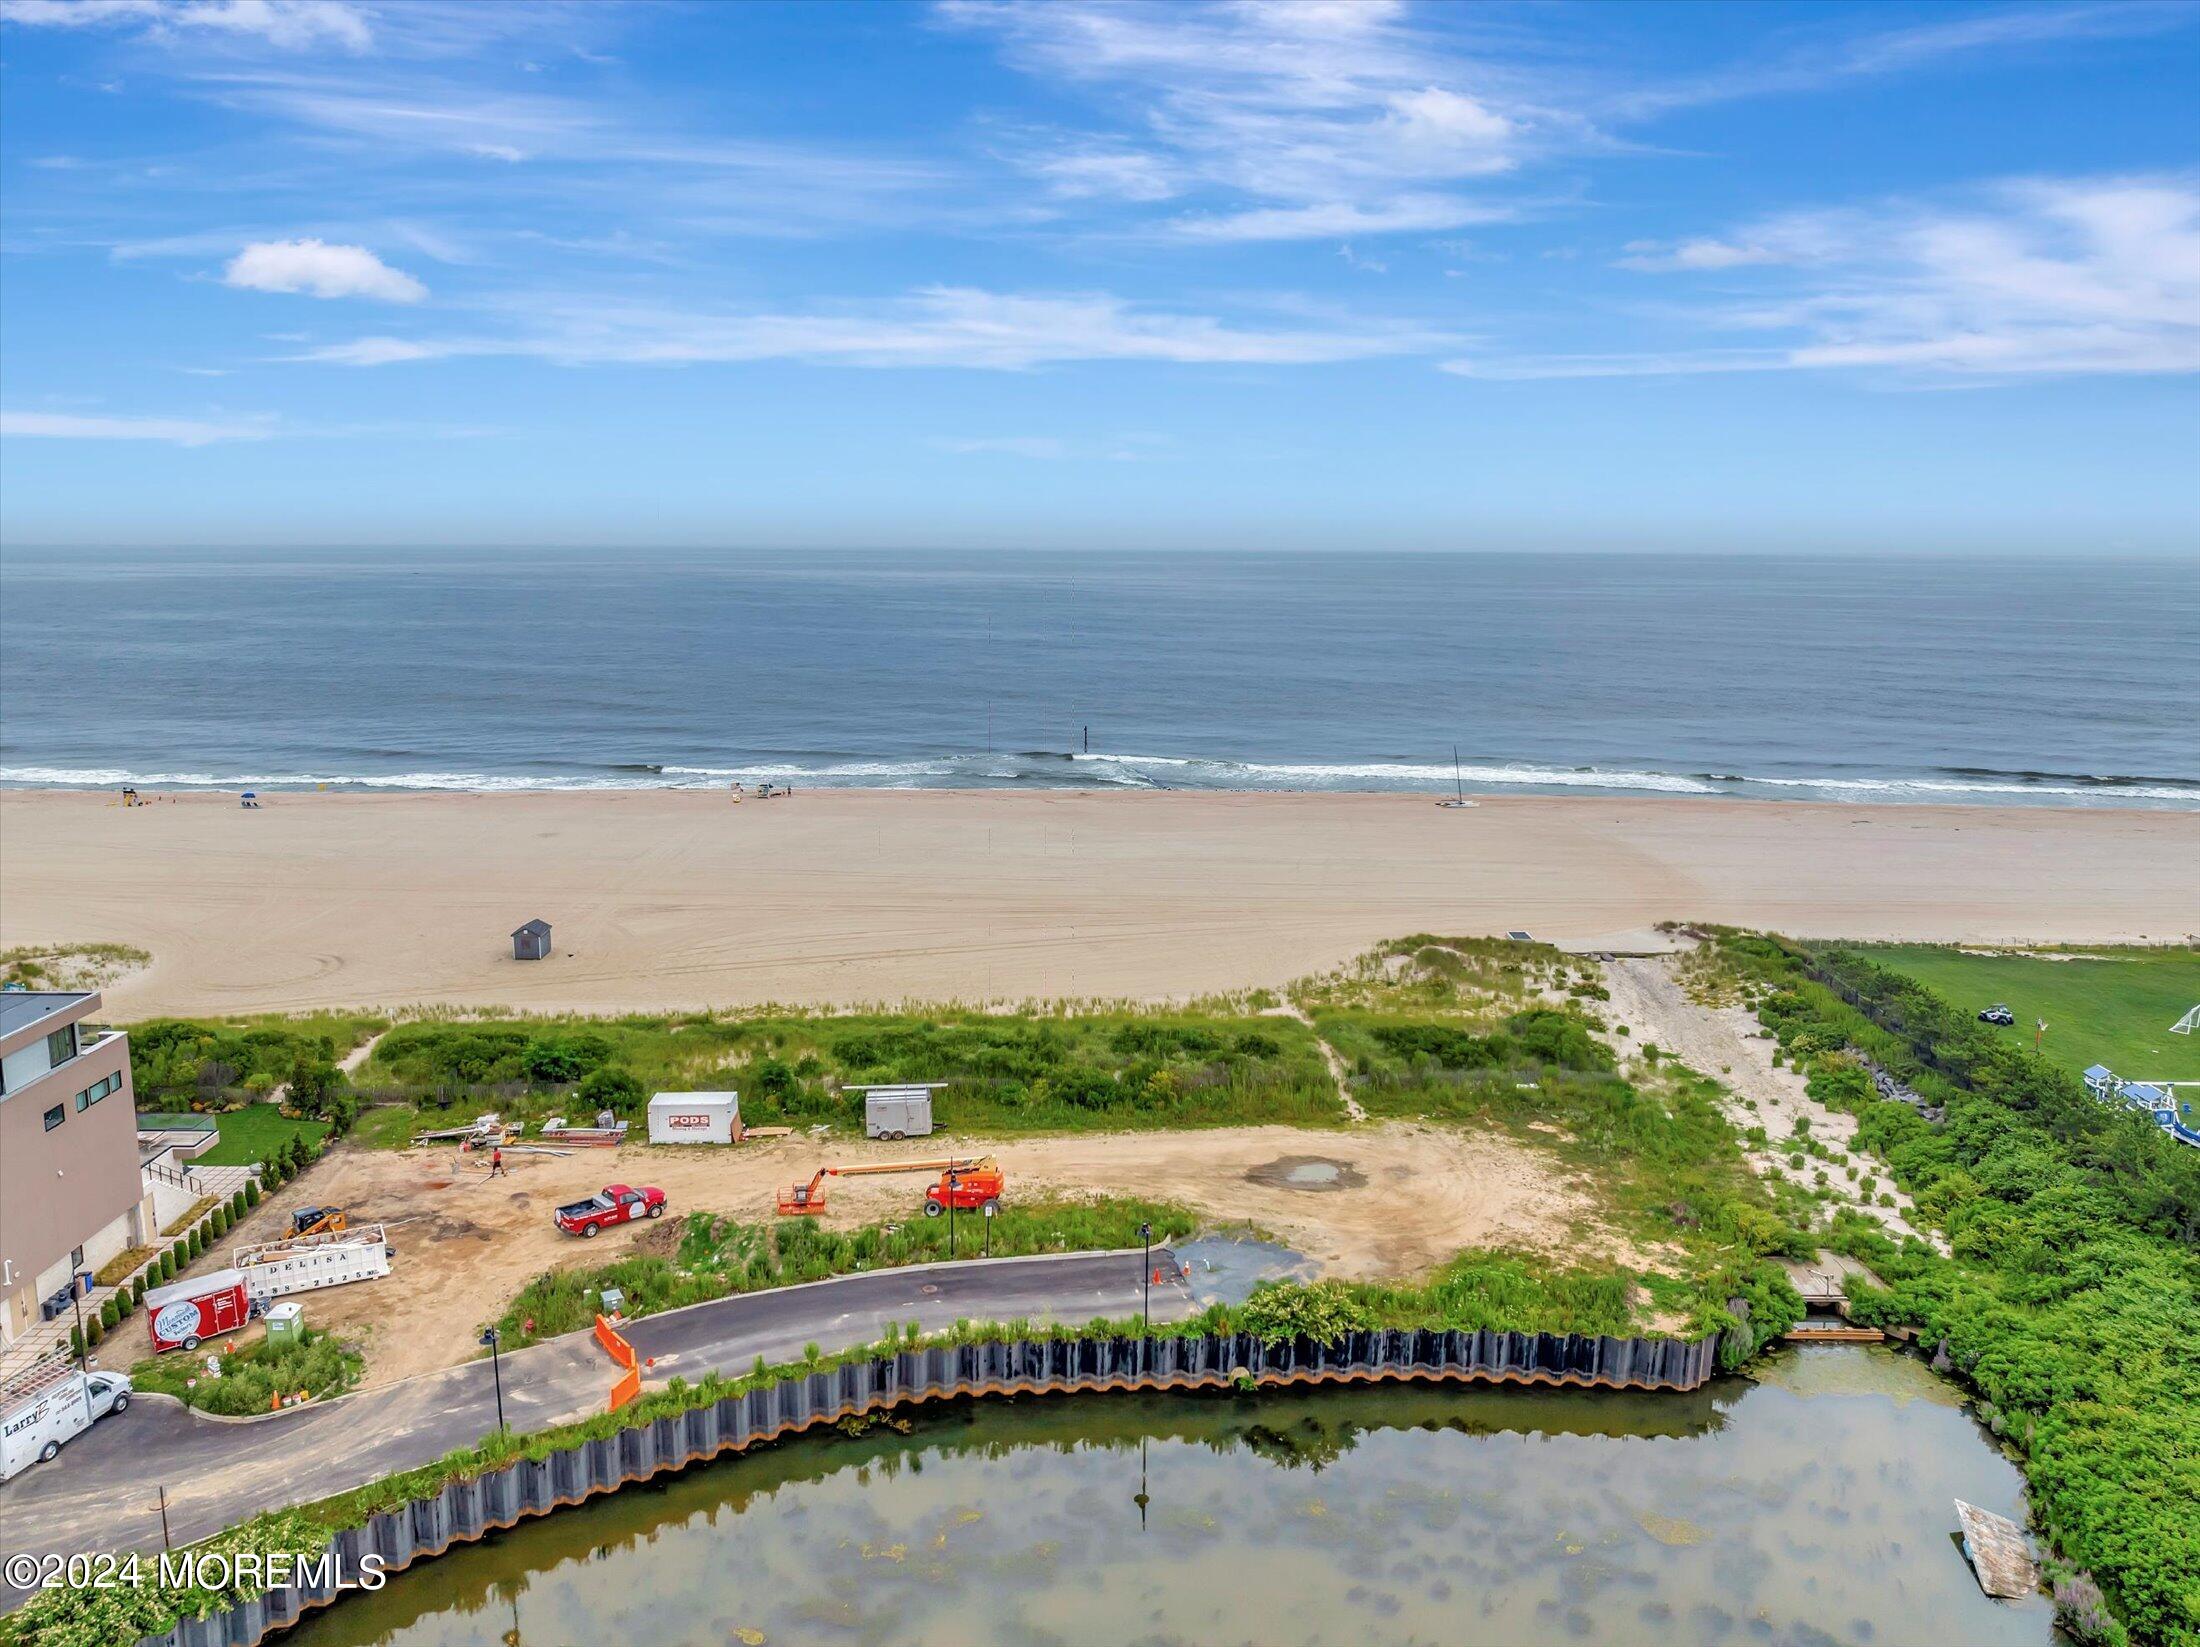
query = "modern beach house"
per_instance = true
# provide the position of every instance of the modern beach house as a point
(71, 1193)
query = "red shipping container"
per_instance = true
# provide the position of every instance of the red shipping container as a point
(186, 1312)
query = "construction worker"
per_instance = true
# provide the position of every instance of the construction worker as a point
(496, 1162)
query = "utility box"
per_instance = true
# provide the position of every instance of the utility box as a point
(695, 1118)
(898, 1112)
(286, 1324)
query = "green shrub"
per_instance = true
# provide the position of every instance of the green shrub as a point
(613, 1089)
(1281, 1311)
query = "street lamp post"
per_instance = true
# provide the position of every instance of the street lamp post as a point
(954, 1183)
(989, 1211)
(496, 1372)
(1145, 1280)
(76, 1295)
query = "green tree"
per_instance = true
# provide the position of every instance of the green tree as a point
(612, 1088)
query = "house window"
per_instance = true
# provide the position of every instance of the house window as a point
(61, 1046)
(55, 1116)
(98, 1090)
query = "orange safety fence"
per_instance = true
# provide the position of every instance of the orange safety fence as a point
(628, 1386)
(614, 1346)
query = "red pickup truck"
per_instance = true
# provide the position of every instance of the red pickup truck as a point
(613, 1204)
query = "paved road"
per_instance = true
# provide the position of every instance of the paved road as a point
(102, 1493)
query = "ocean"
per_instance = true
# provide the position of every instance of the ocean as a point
(2047, 681)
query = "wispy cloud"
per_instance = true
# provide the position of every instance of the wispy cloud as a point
(322, 270)
(1828, 58)
(1317, 119)
(934, 326)
(2061, 276)
(291, 25)
(1330, 219)
(176, 431)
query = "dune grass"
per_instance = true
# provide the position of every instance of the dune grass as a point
(1005, 1073)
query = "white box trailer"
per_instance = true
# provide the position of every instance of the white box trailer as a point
(274, 1269)
(903, 1111)
(40, 1415)
(695, 1118)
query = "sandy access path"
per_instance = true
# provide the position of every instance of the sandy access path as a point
(666, 899)
(1409, 1198)
(1727, 1043)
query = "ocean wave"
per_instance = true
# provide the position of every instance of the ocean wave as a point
(103, 777)
(1258, 774)
(1047, 769)
(2170, 791)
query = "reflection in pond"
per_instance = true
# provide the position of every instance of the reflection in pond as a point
(1813, 1506)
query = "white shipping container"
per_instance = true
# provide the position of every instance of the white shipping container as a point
(694, 1117)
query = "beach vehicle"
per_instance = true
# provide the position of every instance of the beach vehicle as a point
(48, 1405)
(613, 1204)
(1458, 784)
(967, 1184)
(1998, 1013)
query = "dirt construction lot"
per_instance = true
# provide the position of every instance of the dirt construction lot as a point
(1375, 1201)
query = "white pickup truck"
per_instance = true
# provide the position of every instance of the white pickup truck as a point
(35, 1423)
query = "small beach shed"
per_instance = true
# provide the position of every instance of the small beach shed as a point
(532, 941)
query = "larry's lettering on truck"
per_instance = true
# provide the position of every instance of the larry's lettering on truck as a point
(26, 1421)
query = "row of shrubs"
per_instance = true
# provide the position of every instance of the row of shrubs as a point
(165, 1268)
(285, 1163)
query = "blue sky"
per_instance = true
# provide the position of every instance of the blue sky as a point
(1884, 277)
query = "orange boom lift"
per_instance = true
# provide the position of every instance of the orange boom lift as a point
(968, 1184)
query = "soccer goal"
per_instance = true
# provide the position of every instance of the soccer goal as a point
(2188, 1024)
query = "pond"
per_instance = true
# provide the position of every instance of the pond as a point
(1812, 1504)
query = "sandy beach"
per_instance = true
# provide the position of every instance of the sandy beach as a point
(668, 899)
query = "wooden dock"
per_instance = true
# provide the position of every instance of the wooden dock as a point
(1824, 1283)
(1999, 1552)
(1832, 1332)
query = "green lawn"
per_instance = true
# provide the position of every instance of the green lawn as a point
(2115, 1011)
(250, 1134)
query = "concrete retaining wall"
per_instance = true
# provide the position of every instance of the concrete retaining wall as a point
(468, 1510)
